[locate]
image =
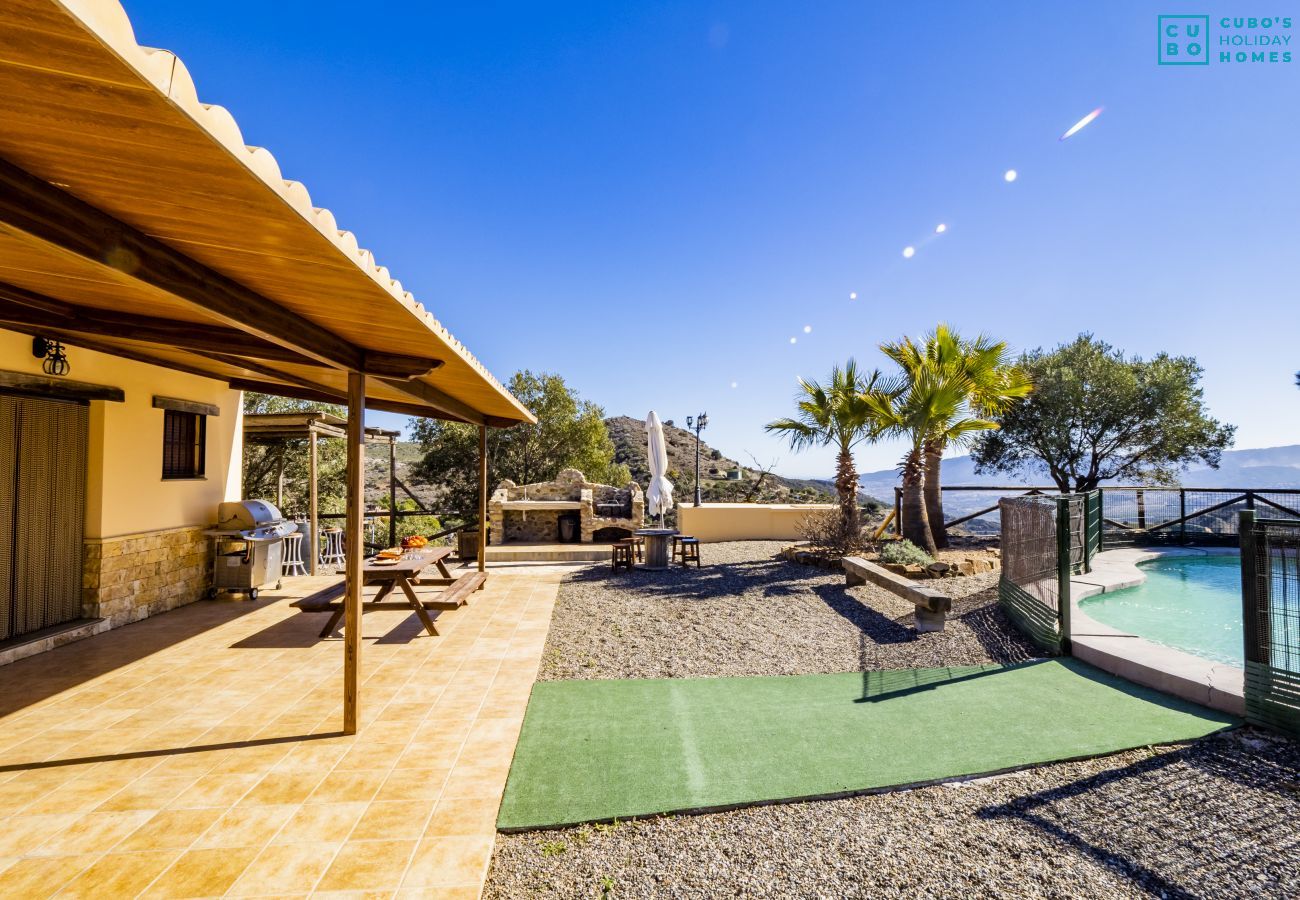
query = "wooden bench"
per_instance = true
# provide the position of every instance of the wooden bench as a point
(932, 606)
(454, 597)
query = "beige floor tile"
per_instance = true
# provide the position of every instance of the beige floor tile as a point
(393, 820)
(345, 787)
(148, 792)
(286, 869)
(41, 876)
(414, 784)
(449, 862)
(246, 826)
(21, 835)
(331, 822)
(460, 817)
(218, 790)
(368, 865)
(101, 830)
(283, 787)
(202, 873)
(171, 829)
(119, 875)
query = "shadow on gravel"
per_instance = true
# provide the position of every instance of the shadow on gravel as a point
(773, 578)
(875, 625)
(1216, 818)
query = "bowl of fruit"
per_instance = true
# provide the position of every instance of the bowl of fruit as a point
(414, 542)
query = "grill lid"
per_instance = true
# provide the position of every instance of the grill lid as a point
(253, 520)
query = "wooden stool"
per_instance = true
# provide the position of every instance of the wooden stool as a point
(638, 544)
(292, 562)
(623, 555)
(677, 541)
(690, 551)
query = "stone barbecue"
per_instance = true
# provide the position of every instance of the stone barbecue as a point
(568, 509)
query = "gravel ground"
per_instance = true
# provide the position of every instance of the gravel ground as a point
(1211, 819)
(747, 613)
(1216, 818)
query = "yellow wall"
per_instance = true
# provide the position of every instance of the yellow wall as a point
(745, 521)
(125, 491)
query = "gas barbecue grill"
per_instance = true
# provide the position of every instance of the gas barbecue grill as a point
(249, 540)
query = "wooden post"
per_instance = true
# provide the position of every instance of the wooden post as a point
(482, 497)
(392, 492)
(313, 541)
(279, 479)
(355, 548)
(898, 511)
(1063, 571)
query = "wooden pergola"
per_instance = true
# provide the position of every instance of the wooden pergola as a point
(310, 426)
(135, 222)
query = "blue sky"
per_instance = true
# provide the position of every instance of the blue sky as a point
(653, 198)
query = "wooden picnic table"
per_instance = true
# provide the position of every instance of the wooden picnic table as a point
(401, 574)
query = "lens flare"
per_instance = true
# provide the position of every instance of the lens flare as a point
(853, 296)
(807, 329)
(735, 384)
(1011, 175)
(940, 228)
(1082, 123)
(909, 252)
(794, 340)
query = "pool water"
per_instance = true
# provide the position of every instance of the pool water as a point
(1190, 603)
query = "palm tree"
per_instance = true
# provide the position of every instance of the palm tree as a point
(908, 407)
(983, 368)
(836, 415)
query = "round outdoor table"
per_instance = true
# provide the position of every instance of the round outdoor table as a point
(656, 546)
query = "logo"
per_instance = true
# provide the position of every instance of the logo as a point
(1186, 40)
(1182, 40)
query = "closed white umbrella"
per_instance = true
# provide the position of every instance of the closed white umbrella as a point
(659, 498)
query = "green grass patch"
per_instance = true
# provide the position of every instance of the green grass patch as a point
(596, 750)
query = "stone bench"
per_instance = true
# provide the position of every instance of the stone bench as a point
(932, 606)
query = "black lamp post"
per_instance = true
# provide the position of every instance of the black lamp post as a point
(697, 424)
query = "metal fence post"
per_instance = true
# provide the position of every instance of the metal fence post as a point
(1063, 571)
(1101, 519)
(1182, 514)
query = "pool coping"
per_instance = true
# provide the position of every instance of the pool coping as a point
(1213, 684)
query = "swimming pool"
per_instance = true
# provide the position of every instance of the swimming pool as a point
(1190, 603)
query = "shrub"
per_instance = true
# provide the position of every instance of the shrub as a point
(827, 529)
(904, 553)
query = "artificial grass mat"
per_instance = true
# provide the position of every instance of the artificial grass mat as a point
(596, 750)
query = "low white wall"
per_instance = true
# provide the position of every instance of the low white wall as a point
(746, 521)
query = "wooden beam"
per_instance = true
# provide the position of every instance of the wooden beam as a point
(85, 343)
(57, 218)
(427, 393)
(354, 542)
(320, 394)
(22, 306)
(482, 497)
(186, 406)
(59, 388)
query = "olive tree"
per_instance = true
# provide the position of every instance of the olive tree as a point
(1098, 415)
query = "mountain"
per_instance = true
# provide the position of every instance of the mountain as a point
(1277, 467)
(629, 437)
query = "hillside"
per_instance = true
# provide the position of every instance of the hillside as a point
(629, 437)
(1256, 468)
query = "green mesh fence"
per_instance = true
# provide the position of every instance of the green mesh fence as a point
(1044, 541)
(1270, 597)
(1030, 587)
